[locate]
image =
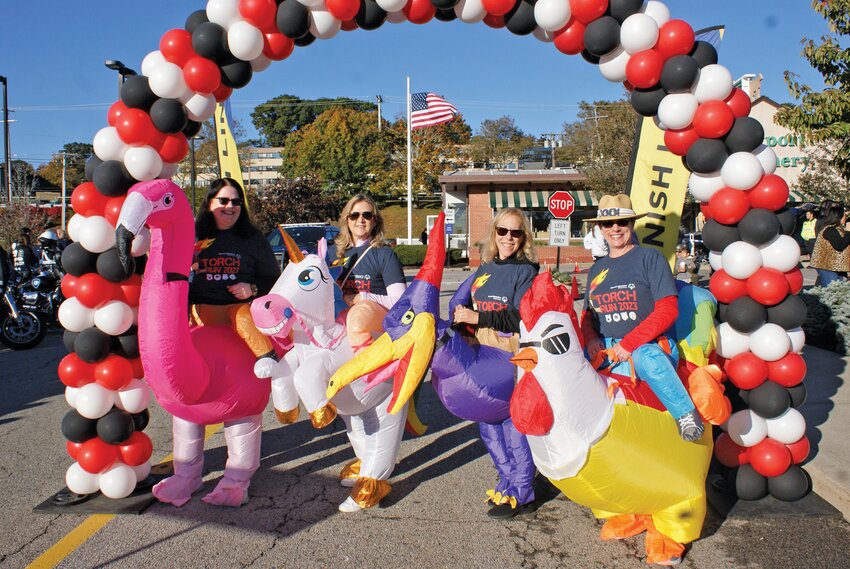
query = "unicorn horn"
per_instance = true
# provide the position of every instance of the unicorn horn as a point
(295, 254)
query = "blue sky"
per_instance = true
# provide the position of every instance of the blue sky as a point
(53, 51)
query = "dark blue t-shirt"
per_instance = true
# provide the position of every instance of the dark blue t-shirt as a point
(378, 269)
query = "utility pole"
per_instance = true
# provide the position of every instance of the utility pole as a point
(596, 118)
(64, 190)
(380, 100)
(6, 137)
(553, 140)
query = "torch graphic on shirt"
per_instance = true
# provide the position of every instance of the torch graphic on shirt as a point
(200, 245)
(476, 284)
(597, 280)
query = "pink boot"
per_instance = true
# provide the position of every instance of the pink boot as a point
(243, 459)
(188, 464)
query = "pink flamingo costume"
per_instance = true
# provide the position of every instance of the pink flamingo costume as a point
(201, 375)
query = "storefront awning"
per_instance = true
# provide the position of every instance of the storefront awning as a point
(536, 198)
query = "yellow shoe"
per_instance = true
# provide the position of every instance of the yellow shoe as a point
(287, 417)
(349, 473)
(367, 492)
(323, 416)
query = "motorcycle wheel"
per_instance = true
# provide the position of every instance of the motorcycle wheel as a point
(24, 333)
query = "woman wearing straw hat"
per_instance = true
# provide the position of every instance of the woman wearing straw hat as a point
(631, 301)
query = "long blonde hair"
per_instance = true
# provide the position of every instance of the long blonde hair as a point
(345, 241)
(526, 249)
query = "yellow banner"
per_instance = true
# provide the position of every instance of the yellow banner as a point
(228, 154)
(657, 185)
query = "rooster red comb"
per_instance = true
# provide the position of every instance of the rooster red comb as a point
(545, 296)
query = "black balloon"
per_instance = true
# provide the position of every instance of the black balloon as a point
(745, 314)
(704, 53)
(645, 101)
(745, 135)
(210, 40)
(112, 179)
(749, 484)
(115, 427)
(304, 40)
(798, 395)
(444, 4)
(68, 338)
(589, 57)
(293, 18)
(141, 263)
(679, 73)
(717, 236)
(790, 313)
(191, 129)
(445, 14)
(791, 485)
(769, 400)
(168, 116)
(195, 19)
(77, 428)
(736, 397)
(520, 19)
(602, 35)
(136, 93)
(235, 73)
(77, 260)
(141, 419)
(787, 220)
(622, 9)
(706, 155)
(127, 344)
(722, 309)
(759, 226)
(92, 345)
(91, 165)
(109, 266)
(744, 395)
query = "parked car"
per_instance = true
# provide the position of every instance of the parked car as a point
(306, 236)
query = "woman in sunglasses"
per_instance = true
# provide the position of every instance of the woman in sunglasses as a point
(372, 279)
(508, 268)
(631, 301)
(233, 264)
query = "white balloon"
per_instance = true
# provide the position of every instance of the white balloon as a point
(166, 81)
(323, 24)
(551, 15)
(397, 16)
(730, 342)
(96, 234)
(143, 162)
(71, 395)
(142, 471)
(612, 65)
(390, 6)
(75, 317)
(770, 342)
(638, 32)
(260, 63)
(787, 428)
(79, 481)
(199, 106)
(244, 40)
(151, 61)
(741, 259)
(118, 482)
(223, 12)
(94, 401)
(703, 186)
(713, 84)
(134, 397)
(115, 317)
(741, 171)
(767, 157)
(168, 170)
(108, 145)
(141, 243)
(658, 11)
(715, 259)
(782, 254)
(74, 225)
(746, 428)
(798, 339)
(677, 110)
(472, 11)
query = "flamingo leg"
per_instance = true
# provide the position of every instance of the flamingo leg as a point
(243, 459)
(188, 464)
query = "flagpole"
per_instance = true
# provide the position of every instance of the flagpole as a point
(409, 173)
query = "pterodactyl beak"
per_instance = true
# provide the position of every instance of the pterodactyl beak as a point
(412, 351)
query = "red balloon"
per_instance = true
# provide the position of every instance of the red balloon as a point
(93, 291)
(347, 26)
(495, 22)
(277, 46)
(787, 371)
(73, 448)
(725, 288)
(201, 74)
(746, 371)
(498, 7)
(676, 37)
(138, 371)
(739, 102)
(570, 40)
(644, 68)
(113, 372)
(69, 281)
(678, 141)
(96, 456)
(419, 11)
(114, 112)
(585, 11)
(86, 200)
(343, 9)
(136, 450)
(113, 209)
(176, 46)
(799, 450)
(136, 128)
(131, 290)
(767, 286)
(713, 119)
(261, 13)
(771, 193)
(770, 457)
(174, 148)
(795, 280)
(730, 453)
(729, 205)
(74, 372)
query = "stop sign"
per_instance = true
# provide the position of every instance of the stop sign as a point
(561, 204)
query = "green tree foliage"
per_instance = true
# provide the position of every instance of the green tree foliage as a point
(301, 200)
(498, 142)
(600, 142)
(277, 118)
(825, 115)
(76, 154)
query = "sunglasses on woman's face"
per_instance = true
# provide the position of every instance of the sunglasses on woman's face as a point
(237, 202)
(355, 215)
(515, 233)
(617, 222)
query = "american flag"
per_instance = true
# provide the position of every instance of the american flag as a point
(428, 109)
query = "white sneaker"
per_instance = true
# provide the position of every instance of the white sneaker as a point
(349, 506)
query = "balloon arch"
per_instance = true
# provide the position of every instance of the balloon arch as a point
(671, 77)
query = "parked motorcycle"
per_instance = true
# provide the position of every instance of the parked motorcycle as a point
(42, 292)
(20, 328)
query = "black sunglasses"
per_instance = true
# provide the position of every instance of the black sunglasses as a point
(237, 202)
(556, 345)
(515, 233)
(617, 222)
(355, 215)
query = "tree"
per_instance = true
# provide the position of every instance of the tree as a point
(498, 142)
(822, 180)
(24, 179)
(825, 115)
(277, 118)
(299, 200)
(600, 144)
(16, 216)
(76, 154)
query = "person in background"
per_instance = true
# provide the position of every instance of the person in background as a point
(807, 230)
(595, 243)
(24, 257)
(631, 301)
(423, 237)
(508, 268)
(830, 255)
(686, 267)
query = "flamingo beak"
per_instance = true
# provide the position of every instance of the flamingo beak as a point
(526, 358)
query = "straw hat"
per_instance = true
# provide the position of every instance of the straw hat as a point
(612, 208)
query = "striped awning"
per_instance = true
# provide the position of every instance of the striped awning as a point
(536, 198)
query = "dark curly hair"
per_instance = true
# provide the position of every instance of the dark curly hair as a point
(205, 226)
